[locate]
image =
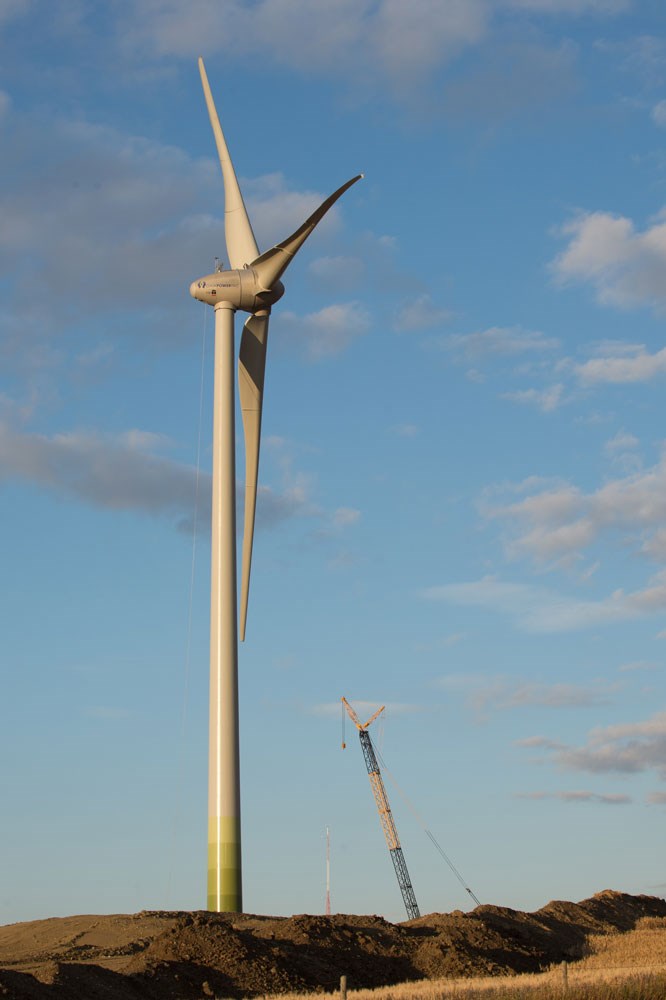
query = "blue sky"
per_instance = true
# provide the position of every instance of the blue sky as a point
(463, 473)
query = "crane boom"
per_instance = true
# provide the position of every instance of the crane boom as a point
(384, 810)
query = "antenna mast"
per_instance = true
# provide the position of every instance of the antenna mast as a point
(328, 873)
(384, 810)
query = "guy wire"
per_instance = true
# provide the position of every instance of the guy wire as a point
(414, 811)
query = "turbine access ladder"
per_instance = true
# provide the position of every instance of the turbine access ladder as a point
(384, 809)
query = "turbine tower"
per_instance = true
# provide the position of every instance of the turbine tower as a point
(252, 285)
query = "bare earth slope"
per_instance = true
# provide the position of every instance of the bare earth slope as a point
(194, 955)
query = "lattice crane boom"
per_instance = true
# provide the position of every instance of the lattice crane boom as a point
(384, 810)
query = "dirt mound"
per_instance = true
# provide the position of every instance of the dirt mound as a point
(178, 956)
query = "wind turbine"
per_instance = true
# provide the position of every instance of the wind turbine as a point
(252, 285)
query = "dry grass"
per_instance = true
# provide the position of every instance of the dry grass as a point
(620, 966)
(644, 946)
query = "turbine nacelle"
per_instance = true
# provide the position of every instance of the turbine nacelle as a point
(241, 289)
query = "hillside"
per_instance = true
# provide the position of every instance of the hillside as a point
(194, 955)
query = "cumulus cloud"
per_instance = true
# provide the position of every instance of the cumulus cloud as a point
(327, 332)
(625, 266)
(355, 39)
(539, 609)
(624, 748)
(561, 521)
(127, 472)
(277, 211)
(121, 472)
(145, 198)
(161, 215)
(639, 366)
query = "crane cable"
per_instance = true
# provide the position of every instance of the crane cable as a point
(410, 805)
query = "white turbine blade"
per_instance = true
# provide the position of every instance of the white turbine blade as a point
(241, 244)
(251, 367)
(272, 264)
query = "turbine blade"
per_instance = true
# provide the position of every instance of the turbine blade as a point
(272, 264)
(251, 367)
(241, 244)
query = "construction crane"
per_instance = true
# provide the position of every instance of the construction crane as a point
(384, 809)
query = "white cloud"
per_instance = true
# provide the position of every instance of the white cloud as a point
(353, 39)
(276, 211)
(343, 517)
(542, 610)
(118, 472)
(161, 215)
(498, 340)
(9, 9)
(563, 520)
(626, 267)
(420, 313)
(145, 198)
(546, 400)
(622, 452)
(327, 332)
(579, 796)
(571, 6)
(378, 47)
(5, 104)
(126, 472)
(636, 665)
(627, 748)
(641, 55)
(639, 367)
(501, 694)
(538, 742)
(658, 114)
(622, 441)
(657, 798)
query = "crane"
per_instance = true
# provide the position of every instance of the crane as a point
(384, 809)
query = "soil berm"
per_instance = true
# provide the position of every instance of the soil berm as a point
(163, 955)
